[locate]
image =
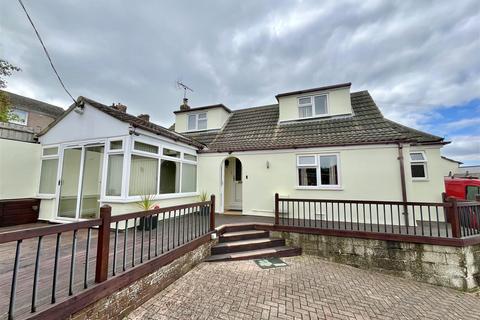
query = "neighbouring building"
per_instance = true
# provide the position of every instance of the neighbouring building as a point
(32, 116)
(324, 142)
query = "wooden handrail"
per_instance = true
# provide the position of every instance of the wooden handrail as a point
(409, 203)
(47, 230)
(140, 214)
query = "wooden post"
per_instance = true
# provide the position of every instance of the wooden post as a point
(212, 212)
(103, 245)
(277, 213)
(477, 198)
(454, 218)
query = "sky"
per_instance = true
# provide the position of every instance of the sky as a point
(420, 60)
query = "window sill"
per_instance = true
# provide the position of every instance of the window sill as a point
(45, 196)
(157, 197)
(333, 188)
(420, 179)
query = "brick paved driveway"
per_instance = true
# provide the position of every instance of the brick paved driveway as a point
(309, 288)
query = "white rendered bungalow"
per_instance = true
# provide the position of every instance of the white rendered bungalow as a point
(323, 143)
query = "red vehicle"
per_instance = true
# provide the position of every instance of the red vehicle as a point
(462, 188)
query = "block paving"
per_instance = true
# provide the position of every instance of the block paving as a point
(308, 288)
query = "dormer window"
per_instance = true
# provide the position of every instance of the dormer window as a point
(197, 121)
(312, 106)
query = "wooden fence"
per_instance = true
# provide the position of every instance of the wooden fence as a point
(59, 269)
(450, 222)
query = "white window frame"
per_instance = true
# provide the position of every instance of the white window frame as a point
(197, 117)
(319, 185)
(312, 104)
(18, 122)
(423, 162)
(109, 152)
(129, 151)
(49, 157)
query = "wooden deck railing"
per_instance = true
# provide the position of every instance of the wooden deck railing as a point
(58, 259)
(366, 218)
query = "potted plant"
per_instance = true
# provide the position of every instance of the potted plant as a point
(147, 203)
(203, 198)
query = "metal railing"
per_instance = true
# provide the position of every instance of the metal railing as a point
(449, 219)
(55, 262)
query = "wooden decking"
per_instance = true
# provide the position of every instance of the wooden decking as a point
(161, 239)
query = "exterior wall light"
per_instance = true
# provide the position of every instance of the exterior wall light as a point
(268, 164)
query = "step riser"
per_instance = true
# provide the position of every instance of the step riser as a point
(242, 227)
(249, 246)
(265, 234)
(288, 253)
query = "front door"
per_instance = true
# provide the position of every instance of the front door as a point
(80, 182)
(236, 203)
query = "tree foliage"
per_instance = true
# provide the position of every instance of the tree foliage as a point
(6, 70)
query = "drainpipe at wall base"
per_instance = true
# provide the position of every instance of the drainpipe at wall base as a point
(402, 181)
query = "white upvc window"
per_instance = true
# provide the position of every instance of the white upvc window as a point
(159, 170)
(49, 170)
(197, 121)
(21, 117)
(418, 165)
(318, 171)
(313, 106)
(115, 160)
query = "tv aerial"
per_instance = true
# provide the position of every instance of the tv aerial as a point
(184, 87)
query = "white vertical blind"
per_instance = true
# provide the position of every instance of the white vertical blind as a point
(48, 176)
(189, 177)
(143, 176)
(114, 175)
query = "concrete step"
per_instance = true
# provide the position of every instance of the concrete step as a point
(281, 251)
(243, 235)
(246, 245)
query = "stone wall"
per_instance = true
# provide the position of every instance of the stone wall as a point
(455, 267)
(124, 301)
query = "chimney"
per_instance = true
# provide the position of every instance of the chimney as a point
(120, 107)
(144, 117)
(184, 106)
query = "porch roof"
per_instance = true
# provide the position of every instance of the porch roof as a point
(131, 120)
(258, 128)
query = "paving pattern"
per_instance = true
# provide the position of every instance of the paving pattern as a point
(308, 288)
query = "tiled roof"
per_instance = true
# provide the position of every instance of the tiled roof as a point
(133, 121)
(258, 129)
(32, 105)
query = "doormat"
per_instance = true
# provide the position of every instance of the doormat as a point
(268, 263)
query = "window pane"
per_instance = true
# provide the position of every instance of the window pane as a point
(307, 176)
(417, 156)
(192, 122)
(202, 116)
(304, 112)
(140, 146)
(114, 175)
(202, 124)
(189, 178)
(238, 170)
(48, 176)
(50, 151)
(171, 153)
(328, 170)
(306, 100)
(418, 170)
(320, 105)
(472, 191)
(306, 160)
(116, 145)
(190, 157)
(169, 176)
(20, 117)
(143, 176)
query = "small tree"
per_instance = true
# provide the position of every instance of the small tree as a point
(6, 70)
